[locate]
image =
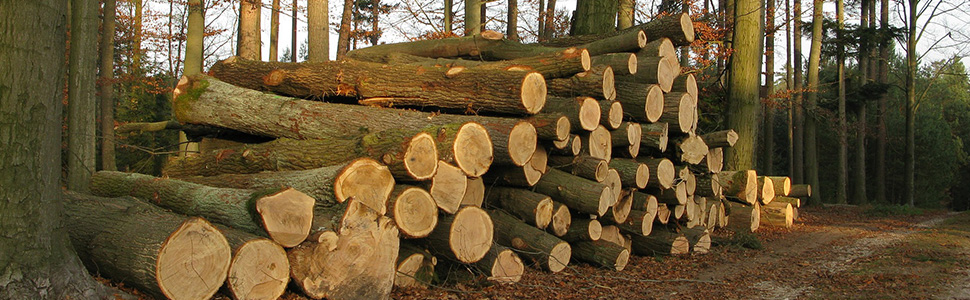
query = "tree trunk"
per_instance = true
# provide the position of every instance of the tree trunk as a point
(502, 265)
(274, 31)
(356, 263)
(259, 268)
(628, 136)
(318, 31)
(550, 21)
(465, 236)
(811, 103)
(909, 155)
(603, 43)
(882, 135)
(535, 209)
(505, 92)
(253, 211)
(36, 246)
(552, 64)
(107, 102)
(293, 28)
(624, 17)
(601, 254)
(413, 210)
(798, 108)
(82, 81)
(159, 252)
(547, 250)
(473, 17)
(768, 155)
(868, 75)
(512, 22)
(842, 129)
(343, 37)
(745, 84)
(449, 16)
(249, 30)
(624, 63)
(578, 193)
(594, 16)
(593, 83)
(363, 179)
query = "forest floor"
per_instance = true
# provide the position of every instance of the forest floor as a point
(836, 252)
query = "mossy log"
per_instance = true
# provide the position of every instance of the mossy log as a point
(545, 249)
(284, 214)
(161, 253)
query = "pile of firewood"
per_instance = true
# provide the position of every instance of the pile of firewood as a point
(349, 177)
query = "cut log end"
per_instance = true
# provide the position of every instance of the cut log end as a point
(609, 85)
(367, 181)
(421, 157)
(259, 270)
(544, 212)
(507, 268)
(585, 60)
(407, 269)
(666, 173)
(561, 220)
(182, 86)
(473, 149)
(615, 183)
(193, 262)
(474, 192)
(685, 113)
(287, 216)
(643, 176)
(634, 134)
(471, 234)
(415, 212)
(654, 103)
(595, 230)
(589, 113)
(680, 246)
(688, 26)
(600, 144)
(606, 200)
(621, 260)
(492, 35)
(621, 210)
(448, 187)
(559, 257)
(577, 145)
(631, 64)
(533, 92)
(615, 116)
(522, 143)
(562, 128)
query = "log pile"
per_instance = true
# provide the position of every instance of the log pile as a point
(475, 151)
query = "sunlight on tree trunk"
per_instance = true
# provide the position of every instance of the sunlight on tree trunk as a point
(274, 31)
(318, 31)
(249, 30)
(745, 84)
(811, 105)
(343, 35)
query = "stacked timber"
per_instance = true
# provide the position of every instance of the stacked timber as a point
(366, 173)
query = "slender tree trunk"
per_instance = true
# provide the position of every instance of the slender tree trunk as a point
(842, 189)
(318, 30)
(294, 30)
(107, 87)
(882, 106)
(37, 257)
(375, 22)
(550, 23)
(249, 30)
(274, 32)
(909, 158)
(81, 139)
(811, 103)
(624, 17)
(450, 15)
(194, 38)
(136, 56)
(859, 168)
(745, 84)
(542, 21)
(473, 17)
(512, 30)
(594, 16)
(798, 108)
(343, 40)
(790, 114)
(768, 157)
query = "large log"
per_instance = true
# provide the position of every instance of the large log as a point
(583, 112)
(800, 191)
(355, 259)
(699, 239)
(766, 190)
(678, 27)
(723, 138)
(660, 242)
(511, 92)
(598, 44)
(597, 143)
(551, 126)
(545, 249)
(284, 214)
(679, 109)
(658, 47)
(782, 185)
(449, 47)
(583, 229)
(654, 136)
(601, 254)
(578, 193)
(565, 62)
(465, 236)
(672, 196)
(611, 114)
(407, 156)
(687, 84)
(561, 219)
(779, 214)
(598, 81)
(744, 218)
(742, 185)
(654, 70)
(159, 252)
(622, 62)
(208, 101)
(581, 165)
(632, 173)
(501, 265)
(447, 187)
(414, 211)
(662, 172)
(641, 102)
(627, 137)
(364, 179)
(259, 268)
(536, 209)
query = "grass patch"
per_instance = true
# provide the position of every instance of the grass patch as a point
(884, 210)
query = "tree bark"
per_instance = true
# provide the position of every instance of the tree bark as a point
(679, 109)
(611, 114)
(811, 103)
(534, 208)
(744, 218)
(159, 252)
(745, 84)
(343, 35)
(593, 83)
(628, 136)
(602, 43)
(842, 183)
(583, 112)
(473, 17)
(721, 139)
(654, 70)
(800, 191)
(465, 236)
(583, 229)
(502, 265)
(798, 108)
(594, 16)
(293, 28)
(107, 102)
(249, 30)
(882, 135)
(581, 165)
(512, 22)
(660, 242)
(661, 172)
(257, 212)
(551, 126)
(274, 31)
(82, 81)
(597, 143)
(318, 31)
(624, 17)
(742, 185)
(654, 136)
(602, 254)
(624, 63)
(632, 173)
(578, 193)
(768, 153)
(909, 154)
(679, 28)
(545, 249)
(778, 214)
